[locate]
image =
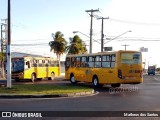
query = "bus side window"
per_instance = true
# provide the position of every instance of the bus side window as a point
(91, 61)
(73, 61)
(35, 62)
(98, 61)
(84, 62)
(78, 60)
(67, 62)
(106, 61)
(113, 59)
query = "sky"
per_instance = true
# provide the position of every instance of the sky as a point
(33, 21)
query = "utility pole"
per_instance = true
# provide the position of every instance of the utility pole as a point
(8, 47)
(125, 46)
(102, 35)
(91, 27)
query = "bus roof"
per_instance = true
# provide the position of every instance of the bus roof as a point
(30, 57)
(102, 53)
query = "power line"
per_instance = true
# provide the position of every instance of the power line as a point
(139, 40)
(30, 44)
(134, 22)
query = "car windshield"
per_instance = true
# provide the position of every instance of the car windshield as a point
(131, 58)
(18, 65)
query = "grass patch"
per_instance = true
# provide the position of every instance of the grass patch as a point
(43, 89)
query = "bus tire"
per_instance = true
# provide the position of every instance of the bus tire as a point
(116, 85)
(95, 82)
(52, 76)
(72, 79)
(33, 77)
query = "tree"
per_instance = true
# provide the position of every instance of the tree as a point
(77, 46)
(2, 58)
(58, 45)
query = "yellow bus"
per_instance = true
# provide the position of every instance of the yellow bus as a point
(34, 68)
(115, 68)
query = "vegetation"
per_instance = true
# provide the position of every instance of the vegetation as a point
(77, 46)
(2, 59)
(45, 89)
(158, 69)
(58, 45)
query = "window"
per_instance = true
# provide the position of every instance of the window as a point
(91, 61)
(73, 60)
(46, 63)
(56, 63)
(84, 62)
(113, 59)
(52, 63)
(35, 62)
(40, 64)
(67, 64)
(106, 61)
(98, 61)
(131, 58)
(78, 60)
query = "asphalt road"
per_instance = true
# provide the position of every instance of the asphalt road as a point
(141, 97)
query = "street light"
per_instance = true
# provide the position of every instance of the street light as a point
(81, 33)
(88, 37)
(118, 36)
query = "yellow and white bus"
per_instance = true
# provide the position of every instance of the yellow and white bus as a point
(115, 68)
(34, 68)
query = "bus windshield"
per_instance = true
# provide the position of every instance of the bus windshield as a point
(18, 65)
(131, 58)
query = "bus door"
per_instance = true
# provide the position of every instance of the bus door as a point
(46, 65)
(89, 71)
(78, 69)
(83, 68)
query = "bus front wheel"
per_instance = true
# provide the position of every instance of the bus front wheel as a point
(95, 82)
(33, 77)
(52, 76)
(72, 79)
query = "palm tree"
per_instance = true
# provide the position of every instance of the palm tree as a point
(58, 45)
(77, 46)
(2, 56)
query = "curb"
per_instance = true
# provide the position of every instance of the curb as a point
(50, 96)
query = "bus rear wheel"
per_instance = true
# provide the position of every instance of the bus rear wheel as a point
(116, 85)
(33, 77)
